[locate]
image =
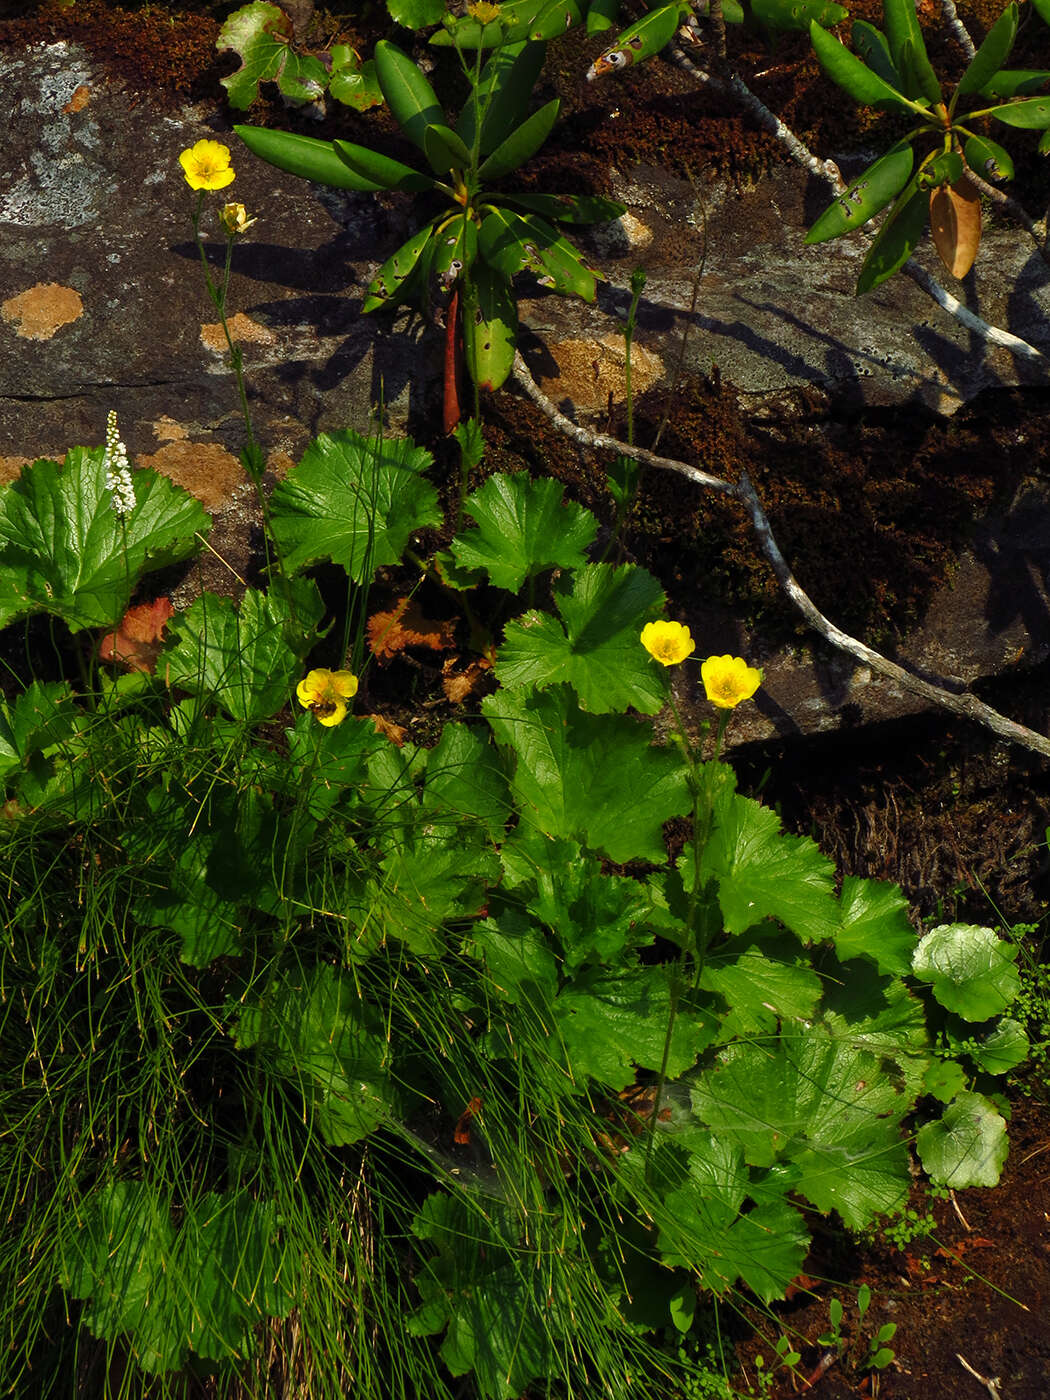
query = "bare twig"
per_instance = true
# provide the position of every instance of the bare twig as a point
(958, 1211)
(964, 703)
(955, 24)
(828, 171)
(991, 1384)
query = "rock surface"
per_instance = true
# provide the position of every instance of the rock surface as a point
(102, 305)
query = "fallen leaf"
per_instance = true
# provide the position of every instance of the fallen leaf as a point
(462, 1133)
(394, 732)
(137, 641)
(457, 686)
(405, 626)
(955, 222)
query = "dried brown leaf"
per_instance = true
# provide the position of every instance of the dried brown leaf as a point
(137, 641)
(955, 222)
(405, 626)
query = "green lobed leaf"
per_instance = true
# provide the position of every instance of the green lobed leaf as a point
(388, 285)
(865, 196)
(379, 171)
(897, 238)
(880, 1015)
(992, 53)
(425, 879)
(465, 782)
(314, 1029)
(70, 551)
(988, 159)
(760, 873)
(518, 958)
(304, 156)
(966, 1146)
(352, 82)
(261, 33)
(970, 969)
(591, 777)
(760, 986)
(875, 925)
(116, 1260)
(354, 501)
(246, 658)
(522, 143)
(997, 1050)
(1031, 113)
(410, 97)
(597, 652)
(524, 527)
(40, 715)
(844, 68)
(827, 1108)
(608, 1022)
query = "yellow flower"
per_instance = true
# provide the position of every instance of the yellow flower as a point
(728, 680)
(483, 11)
(667, 642)
(207, 165)
(326, 693)
(234, 218)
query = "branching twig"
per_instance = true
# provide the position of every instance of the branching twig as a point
(964, 704)
(990, 1384)
(828, 171)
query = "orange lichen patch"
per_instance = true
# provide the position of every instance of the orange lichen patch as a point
(80, 99)
(204, 468)
(280, 463)
(590, 371)
(241, 328)
(11, 468)
(166, 429)
(38, 312)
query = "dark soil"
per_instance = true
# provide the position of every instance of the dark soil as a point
(871, 508)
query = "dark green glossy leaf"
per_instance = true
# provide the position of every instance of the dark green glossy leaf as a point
(1042, 9)
(444, 150)
(1031, 113)
(869, 192)
(512, 27)
(1016, 82)
(409, 96)
(455, 248)
(524, 527)
(896, 239)
(850, 73)
(944, 169)
(490, 328)
(382, 172)
(521, 144)
(993, 53)
(920, 81)
(602, 15)
(510, 243)
(639, 42)
(908, 49)
(305, 156)
(989, 159)
(500, 100)
(797, 14)
(388, 285)
(555, 19)
(567, 208)
(416, 14)
(874, 48)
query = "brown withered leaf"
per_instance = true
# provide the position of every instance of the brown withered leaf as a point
(458, 685)
(405, 626)
(394, 732)
(138, 639)
(955, 222)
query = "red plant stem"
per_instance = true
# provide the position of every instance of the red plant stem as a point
(453, 359)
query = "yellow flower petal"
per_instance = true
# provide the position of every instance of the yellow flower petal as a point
(728, 680)
(234, 218)
(667, 642)
(325, 693)
(207, 165)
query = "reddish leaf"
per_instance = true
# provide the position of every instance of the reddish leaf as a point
(462, 1133)
(394, 732)
(405, 626)
(955, 222)
(458, 685)
(137, 641)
